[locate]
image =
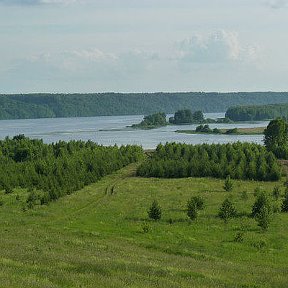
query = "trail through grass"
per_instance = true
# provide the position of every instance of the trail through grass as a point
(94, 238)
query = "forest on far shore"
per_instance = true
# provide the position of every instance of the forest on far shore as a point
(25, 106)
(257, 112)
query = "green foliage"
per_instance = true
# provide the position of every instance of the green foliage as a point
(239, 160)
(203, 129)
(227, 210)
(194, 204)
(285, 202)
(263, 217)
(91, 223)
(260, 244)
(192, 211)
(276, 192)
(244, 195)
(21, 106)
(276, 138)
(152, 121)
(7, 188)
(58, 169)
(257, 112)
(186, 116)
(239, 237)
(155, 211)
(145, 227)
(228, 184)
(232, 131)
(199, 202)
(262, 201)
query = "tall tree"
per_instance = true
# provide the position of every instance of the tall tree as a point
(276, 137)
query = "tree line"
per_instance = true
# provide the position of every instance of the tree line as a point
(257, 112)
(238, 160)
(50, 171)
(19, 106)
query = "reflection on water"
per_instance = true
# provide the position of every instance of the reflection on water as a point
(110, 130)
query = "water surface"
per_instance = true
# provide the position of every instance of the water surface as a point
(110, 130)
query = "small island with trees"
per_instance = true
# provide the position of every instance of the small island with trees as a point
(152, 121)
(181, 117)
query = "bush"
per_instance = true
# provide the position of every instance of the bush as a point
(145, 227)
(263, 218)
(154, 211)
(261, 201)
(244, 195)
(276, 192)
(227, 210)
(192, 212)
(239, 237)
(285, 203)
(260, 244)
(193, 205)
(228, 184)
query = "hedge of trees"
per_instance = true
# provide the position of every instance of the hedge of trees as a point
(50, 171)
(257, 113)
(19, 106)
(238, 160)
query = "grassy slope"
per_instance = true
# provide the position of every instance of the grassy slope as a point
(95, 239)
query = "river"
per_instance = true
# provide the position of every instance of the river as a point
(110, 130)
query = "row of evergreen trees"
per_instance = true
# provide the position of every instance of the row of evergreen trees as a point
(50, 171)
(239, 160)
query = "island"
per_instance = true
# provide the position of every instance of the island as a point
(152, 121)
(185, 116)
(205, 129)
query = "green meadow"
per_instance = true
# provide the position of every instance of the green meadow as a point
(95, 237)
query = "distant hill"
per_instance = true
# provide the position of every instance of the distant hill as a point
(257, 112)
(19, 106)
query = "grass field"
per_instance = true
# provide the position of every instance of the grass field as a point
(95, 238)
(240, 131)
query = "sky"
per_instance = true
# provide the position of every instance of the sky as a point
(67, 46)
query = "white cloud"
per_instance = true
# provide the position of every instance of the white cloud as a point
(219, 47)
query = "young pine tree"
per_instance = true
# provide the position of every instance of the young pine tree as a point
(227, 210)
(154, 211)
(261, 201)
(192, 211)
(228, 184)
(263, 218)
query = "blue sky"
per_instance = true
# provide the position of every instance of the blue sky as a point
(143, 46)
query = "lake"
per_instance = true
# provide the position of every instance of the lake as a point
(110, 130)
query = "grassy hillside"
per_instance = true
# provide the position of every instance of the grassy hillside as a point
(94, 238)
(83, 105)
